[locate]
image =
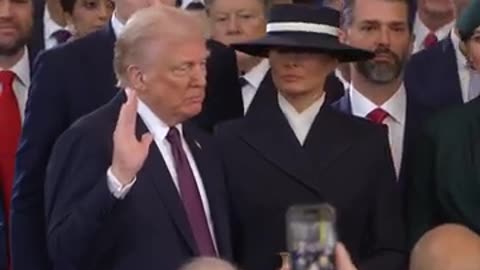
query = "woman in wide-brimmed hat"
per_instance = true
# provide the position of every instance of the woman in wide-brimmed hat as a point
(299, 151)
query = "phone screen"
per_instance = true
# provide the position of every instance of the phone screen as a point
(311, 237)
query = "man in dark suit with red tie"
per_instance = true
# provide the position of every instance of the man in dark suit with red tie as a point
(377, 91)
(439, 76)
(16, 20)
(133, 185)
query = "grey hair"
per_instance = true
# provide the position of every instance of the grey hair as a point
(156, 23)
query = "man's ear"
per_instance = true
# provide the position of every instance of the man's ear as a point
(136, 78)
(342, 36)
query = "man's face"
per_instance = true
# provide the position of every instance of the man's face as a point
(297, 73)
(436, 7)
(382, 27)
(235, 21)
(175, 78)
(125, 8)
(16, 20)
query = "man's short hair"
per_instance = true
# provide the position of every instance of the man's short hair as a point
(349, 6)
(156, 23)
(68, 5)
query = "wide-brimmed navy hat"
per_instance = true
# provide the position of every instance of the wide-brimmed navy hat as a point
(303, 27)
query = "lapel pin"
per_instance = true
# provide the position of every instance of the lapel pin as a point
(198, 145)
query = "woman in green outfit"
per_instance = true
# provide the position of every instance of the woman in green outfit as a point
(444, 176)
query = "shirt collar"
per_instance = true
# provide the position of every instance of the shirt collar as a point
(155, 125)
(22, 69)
(50, 25)
(395, 106)
(307, 116)
(421, 30)
(255, 76)
(461, 59)
(117, 25)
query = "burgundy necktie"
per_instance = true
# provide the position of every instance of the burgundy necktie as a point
(377, 115)
(61, 36)
(430, 40)
(190, 195)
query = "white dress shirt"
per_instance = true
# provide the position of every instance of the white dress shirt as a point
(50, 27)
(463, 69)
(339, 75)
(21, 81)
(396, 107)
(300, 122)
(159, 131)
(117, 25)
(254, 78)
(421, 31)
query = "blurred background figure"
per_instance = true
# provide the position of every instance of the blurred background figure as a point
(197, 8)
(86, 16)
(447, 247)
(469, 31)
(234, 21)
(434, 20)
(49, 28)
(441, 71)
(444, 179)
(208, 263)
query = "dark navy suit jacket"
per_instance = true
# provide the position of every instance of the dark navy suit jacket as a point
(416, 114)
(431, 76)
(88, 228)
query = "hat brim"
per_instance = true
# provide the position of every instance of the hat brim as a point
(327, 45)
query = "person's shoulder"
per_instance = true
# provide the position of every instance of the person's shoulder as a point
(455, 119)
(434, 53)
(96, 125)
(357, 126)
(231, 127)
(75, 49)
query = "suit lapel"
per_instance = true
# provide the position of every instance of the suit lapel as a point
(326, 140)
(266, 94)
(343, 104)
(453, 89)
(416, 114)
(155, 170)
(269, 133)
(211, 181)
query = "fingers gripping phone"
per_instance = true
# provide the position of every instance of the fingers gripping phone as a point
(311, 237)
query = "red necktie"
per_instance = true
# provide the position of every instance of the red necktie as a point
(377, 115)
(10, 125)
(430, 40)
(190, 195)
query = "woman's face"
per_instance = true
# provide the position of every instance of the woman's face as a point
(90, 15)
(473, 49)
